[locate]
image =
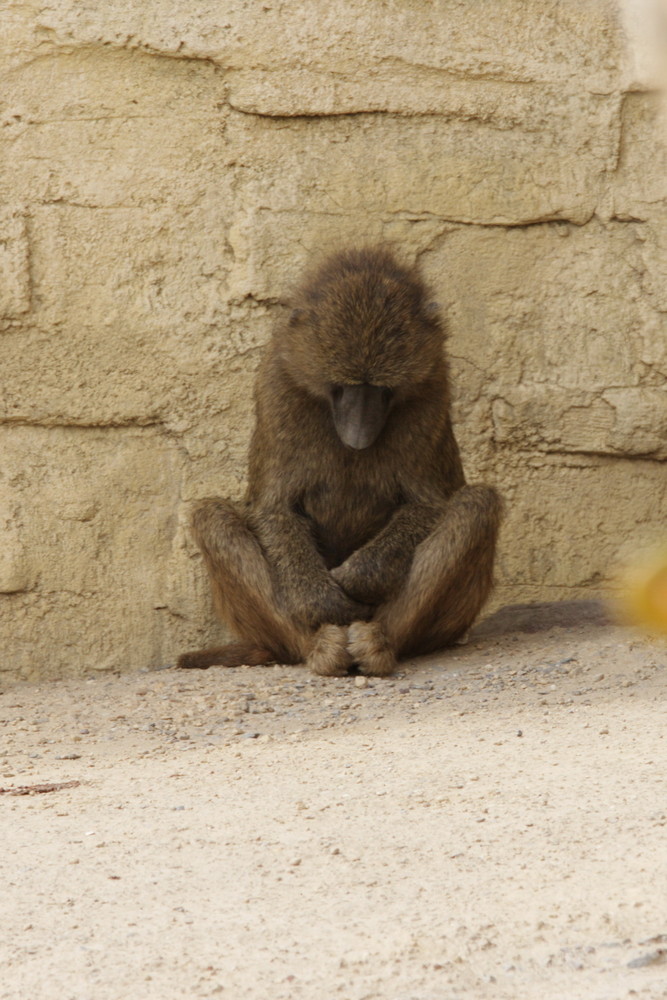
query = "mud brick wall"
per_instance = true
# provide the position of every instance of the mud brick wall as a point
(166, 168)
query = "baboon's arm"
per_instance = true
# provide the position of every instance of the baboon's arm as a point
(376, 570)
(429, 476)
(305, 588)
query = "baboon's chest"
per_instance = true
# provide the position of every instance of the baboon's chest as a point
(345, 515)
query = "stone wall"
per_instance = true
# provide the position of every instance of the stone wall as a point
(166, 170)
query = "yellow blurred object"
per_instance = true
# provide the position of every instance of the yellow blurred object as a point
(644, 591)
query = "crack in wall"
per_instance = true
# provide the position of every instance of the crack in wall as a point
(64, 422)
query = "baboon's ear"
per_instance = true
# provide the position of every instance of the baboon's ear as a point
(296, 316)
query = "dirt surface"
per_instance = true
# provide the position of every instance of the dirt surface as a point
(491, 823)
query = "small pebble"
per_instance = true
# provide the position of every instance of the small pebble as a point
(658, 957)
(361, 681)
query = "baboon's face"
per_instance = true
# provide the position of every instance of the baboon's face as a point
(363, 340)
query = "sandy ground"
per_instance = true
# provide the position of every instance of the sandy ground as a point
(492, 823)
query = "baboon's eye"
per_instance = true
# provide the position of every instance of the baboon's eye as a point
(336, 392)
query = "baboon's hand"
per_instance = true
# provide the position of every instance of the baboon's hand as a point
(327, 605)
(340, 609)
(364, 580)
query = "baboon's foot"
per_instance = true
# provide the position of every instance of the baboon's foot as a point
(329, 656)
(369, 648)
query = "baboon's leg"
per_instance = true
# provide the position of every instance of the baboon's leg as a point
(449, 580)
(451, 575)
(243, 593)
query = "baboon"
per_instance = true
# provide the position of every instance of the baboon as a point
(358, 542)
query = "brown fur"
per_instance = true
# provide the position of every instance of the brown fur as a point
(342, 556)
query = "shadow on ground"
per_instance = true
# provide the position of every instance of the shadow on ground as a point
(541, 617)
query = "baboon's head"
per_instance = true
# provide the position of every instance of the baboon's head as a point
(364, 337)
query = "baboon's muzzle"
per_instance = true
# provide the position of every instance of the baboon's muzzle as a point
(359, 413)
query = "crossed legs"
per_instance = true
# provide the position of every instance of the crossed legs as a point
(449, 580)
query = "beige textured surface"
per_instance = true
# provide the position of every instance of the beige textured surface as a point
(489, 825)
(165, 170)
